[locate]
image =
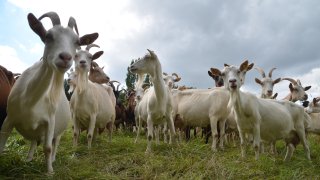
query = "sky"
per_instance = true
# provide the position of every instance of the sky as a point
(189, 36)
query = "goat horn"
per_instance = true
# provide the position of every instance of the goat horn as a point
(114, 81)
(291, 80)
(177, 77)
(261, 71)
(16, 74)
(91, 45)
(72, 24)
(165, 74)
(226, 65)
(53, 16)
(270, 73)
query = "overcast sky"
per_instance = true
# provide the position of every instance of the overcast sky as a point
(189, 36)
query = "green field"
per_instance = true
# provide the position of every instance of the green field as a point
(123, 159)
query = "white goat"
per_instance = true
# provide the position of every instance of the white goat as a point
(203, 107)
(169, 80)
(297, 92)
(313, 109)
(314, 106)
(37, 105)
(266, 119)
(91, 104)
(267, 83)
(157, 101)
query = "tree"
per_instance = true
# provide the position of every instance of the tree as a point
(130, 79)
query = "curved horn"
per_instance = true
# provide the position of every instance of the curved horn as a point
(72, 24)
(270, 73)
(291, 80)
(177, 77)
(165, 74)
(114, 81)
(53, 16)
(261, 71)
(90, 46)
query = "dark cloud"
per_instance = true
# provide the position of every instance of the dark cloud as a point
(192, 36)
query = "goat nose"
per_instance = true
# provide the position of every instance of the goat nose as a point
(305, 97)
(82, 62)
(232, 80)
(65, 56)
(270, 91)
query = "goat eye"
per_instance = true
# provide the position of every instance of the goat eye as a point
(76, 56)
(238, 71)
(222, 74)
(49, 36)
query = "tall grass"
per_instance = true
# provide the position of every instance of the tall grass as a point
(123, 159)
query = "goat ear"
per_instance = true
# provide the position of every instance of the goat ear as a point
(97, 55)
(274, 96)
(314, 101)
(244, 66)
(258, 81)
(215, 72)
(307, 88)
(88, 39)
(291, 87)
(152, 53)
(210, 74)
(37, 27)
(250, 66)
(276, 81)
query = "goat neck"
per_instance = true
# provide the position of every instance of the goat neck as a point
(82, 81)
(42, 74)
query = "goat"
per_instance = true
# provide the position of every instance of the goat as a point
(169, 80)
(37, 106)
(217, 79)
(97, 75)
(267, 83)
(7, 79)
(313, 109)
(314, 106)
(157, 99)
(297, 92)
(266, 119)
(121, 116)
(91, 103)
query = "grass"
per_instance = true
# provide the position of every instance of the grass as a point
(123, 159)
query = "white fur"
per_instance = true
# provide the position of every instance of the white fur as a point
(157, 101)
(203, 107)
(266, 119)
(37, 105)
(92, 105)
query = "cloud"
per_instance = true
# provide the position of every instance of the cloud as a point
(10, 60)
(191, 36)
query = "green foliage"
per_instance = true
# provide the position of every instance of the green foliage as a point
(123, 159)
(130, 79)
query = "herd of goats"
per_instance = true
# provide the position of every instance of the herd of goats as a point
(37, 107)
